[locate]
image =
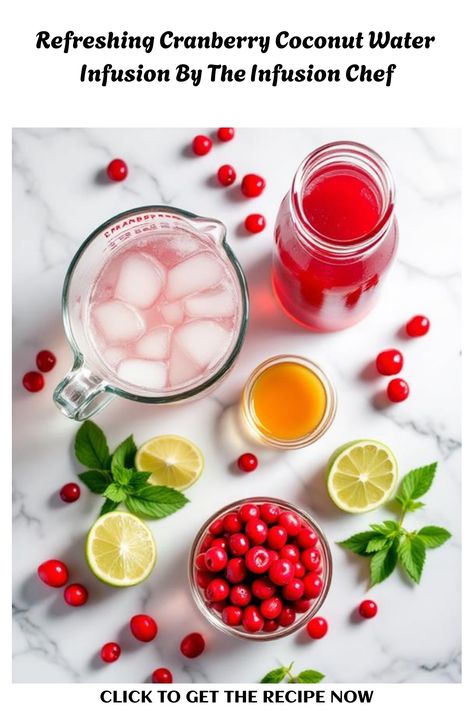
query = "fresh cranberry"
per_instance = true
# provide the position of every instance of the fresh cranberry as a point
(313, 585)
(217, 590)
(276, 537)
(236, 570)
(217, 527)
(238, 544)
(302, 605)
(216, 559)
(53, 573)
(300, 570)
(33, 381)
(269, 513)
(192, 645)
(418, 326)
(220, 542)
(255, 223)
(256, 531)
(75, 595)
(311, 559)
(232, 615)
(218, 606)
(162, 676)
(200, 561)
(368, 609)
(248, 511)
(270, 626)
(271, 608)
(252, 185)
(287, 616)
(45, 361)
(281, 572)
(70, 492)
(389, 362)
(110, 652)
(247, 462)
(290, 552)
(117, 170)
(397, 390)
(203, 578)
(207, 542)
(232, 523)
(143, 627)
(201, 145)
(252, 620)
(240, 595)
(307, 538)
(273, 555)
(257, 560)
(290, 522)
(225, 134)
(226, 175)
(293, 590)
(317, 627)
(263, 588)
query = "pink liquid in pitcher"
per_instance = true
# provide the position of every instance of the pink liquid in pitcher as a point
(164, 313)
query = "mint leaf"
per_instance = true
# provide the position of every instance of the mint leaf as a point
(138, 480)
(417, 482)
(382, 564)
(274, 676)
(115, 493)
(122, 475)
(124, 456)
(95, 480)
(386, 528)
(108, 506)
(310, 676)
(412, 554)
(377, 543)
(90, 446)
(433, 536)
(358, 542)
(155, 501)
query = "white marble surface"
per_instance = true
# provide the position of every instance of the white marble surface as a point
(58, 200)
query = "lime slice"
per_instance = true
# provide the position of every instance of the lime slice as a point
(120, 549)
(361, 475)
(172, 460)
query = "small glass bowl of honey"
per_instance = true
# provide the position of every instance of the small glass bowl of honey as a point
(288, 402)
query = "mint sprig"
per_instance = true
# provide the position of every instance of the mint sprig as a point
(114, 476)
(389, 543)
(276, 676)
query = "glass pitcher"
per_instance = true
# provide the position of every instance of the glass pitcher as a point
(92, 383)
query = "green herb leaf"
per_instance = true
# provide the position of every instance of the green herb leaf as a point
(96, 480)
(90, 446)
(386, 528)
(377, 543)
(115, 492)
(124, 456)
(310, 676)
(417, 482)
(155, 501)
(358, 542)
(122, 475)
(108, 506)
(382, 564)
(412, 553)
(274, 676)
(433, 536)
(138, 480)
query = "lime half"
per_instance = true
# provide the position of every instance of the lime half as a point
(172, 460)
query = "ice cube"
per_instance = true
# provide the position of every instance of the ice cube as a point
(211, 304)
(182, 369)
(118, 322)
(155, 344)
(199, 272)
(140, 281)
(173, 313)
(114, 355)
(204, 340)
(144, 373)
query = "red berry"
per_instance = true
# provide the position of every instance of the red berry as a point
(232, 615)
(45, 361)
(255, 223)
(287, 616)
(252, 185)
(33, 381)
(207, 542)
(70, 492)
(220, 543)
(110, 652)
(226, 175)
(247, 462)
(263, 588)
(200, 562)
(252, 620)
(217, 590)
(368, 609)
(218, 606)
(75, 595)
(201, 145)
(143, 627)
(162, 676)
(192, 645)
(293, 590)
(240, 595)
(257, 560)
(225, 134)
(273, 555)
(269, 513)
(311, 559)
(313, 585)
(117, 169)
(203, 578)
(232, 523)
(307, 538)
(290, 522)
(216, 559)
(256, 531)
(248, 511)
(418, 326)
(389, 362)
(302, 605)
(270, 626)
(290, 552)
(300, 570)
(238, 544)
(53, 573)
(397, 390)
(217, 527)
(276, 537)
(317, 627)
(236, 570)
(281, 572)
(271, 608)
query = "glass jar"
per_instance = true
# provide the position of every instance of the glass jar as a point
(336, 235)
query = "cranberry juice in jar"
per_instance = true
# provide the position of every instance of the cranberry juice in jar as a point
(336, 235)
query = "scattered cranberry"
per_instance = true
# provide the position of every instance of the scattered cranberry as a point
(293, 590)
(232, 523)
(216, 559)
(53, 573)
(255, 223)
(290, 552)
(236, 570)
(287, 616)
(33, 381)
(397, 390)
(252, 185)
(247, 462)
(389, 362)
(317, 627)
(110, 652)
(117, 170)
(238, 544)
(302, 605)
(248, 511)
(418, 326)
(226, 175)
(311, 559)
(271, 608)
(368, 609)
(75, 595)
(162, 676)
(143, 627)
(290, 522)
(240, 595)
(217, 590)
(256, 530)
(232, 615)
(217, 527)
(313, 585)
(70, 492)
(276, 537)
(252, 620)
(225, 134)
(192, 645)
(307, 538)
(263, 588)
(45, 361)
(257, 560)
(270, 513)
(201, 145)
(281, 572)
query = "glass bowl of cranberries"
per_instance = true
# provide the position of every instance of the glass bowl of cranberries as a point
(260, 568)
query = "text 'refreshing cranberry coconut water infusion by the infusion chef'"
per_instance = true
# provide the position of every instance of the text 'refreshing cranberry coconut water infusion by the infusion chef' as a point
(336, 235)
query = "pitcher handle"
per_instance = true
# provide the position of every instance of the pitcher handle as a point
(81, 394)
